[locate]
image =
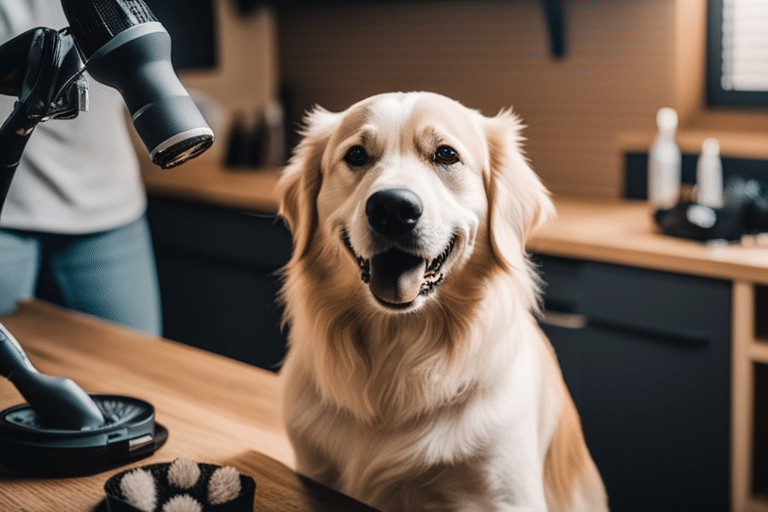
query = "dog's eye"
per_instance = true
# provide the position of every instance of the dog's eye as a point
(356, 156)
(446, 155)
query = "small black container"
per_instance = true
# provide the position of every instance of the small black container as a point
(243, 502)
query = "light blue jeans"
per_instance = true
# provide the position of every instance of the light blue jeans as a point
(110, 274)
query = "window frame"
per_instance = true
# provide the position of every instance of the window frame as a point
(716, 95)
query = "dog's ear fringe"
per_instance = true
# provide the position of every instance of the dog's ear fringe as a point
(513, 123)
(518, 200)
(317, 120)
(301, 179)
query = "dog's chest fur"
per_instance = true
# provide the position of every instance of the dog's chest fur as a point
(466, 430)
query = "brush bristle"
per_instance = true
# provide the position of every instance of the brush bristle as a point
(182, 503)
(183, 473)
(224, 485)
(139, 490)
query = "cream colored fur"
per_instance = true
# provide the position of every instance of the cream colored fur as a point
(454, 401)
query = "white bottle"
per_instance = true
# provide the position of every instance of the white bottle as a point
(274, 154)
(664, 162)
(709, 175)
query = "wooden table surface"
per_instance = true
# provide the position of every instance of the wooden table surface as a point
(216, 410)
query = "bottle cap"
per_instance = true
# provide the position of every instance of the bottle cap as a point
(666, 119)
(710, 146)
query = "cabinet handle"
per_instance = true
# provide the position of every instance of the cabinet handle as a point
(575, 321)
(681, 337)
(564, 320)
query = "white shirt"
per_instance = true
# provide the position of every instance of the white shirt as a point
(76, 176)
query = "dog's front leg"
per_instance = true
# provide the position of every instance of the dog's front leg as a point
(311, 463)
(303, 415)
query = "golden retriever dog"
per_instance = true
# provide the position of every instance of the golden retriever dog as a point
(417, 377)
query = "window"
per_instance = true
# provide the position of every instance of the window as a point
(737, 53)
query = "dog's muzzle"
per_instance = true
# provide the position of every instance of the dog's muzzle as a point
(395, 276)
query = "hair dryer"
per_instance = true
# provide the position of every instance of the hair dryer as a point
(125, 47)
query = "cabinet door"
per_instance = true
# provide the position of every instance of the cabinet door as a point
(217, 270)
(223, 308)
(646, 356)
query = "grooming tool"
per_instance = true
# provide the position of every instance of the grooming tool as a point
(58, 401)
(180, 486)
(63, 431)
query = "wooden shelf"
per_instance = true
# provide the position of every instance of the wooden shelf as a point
(749, 389)
(758, 351)
(757, 504)
(750, 144)
(206, 181)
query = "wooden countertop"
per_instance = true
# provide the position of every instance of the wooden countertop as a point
(206, 181)
(216, 410)
(623, 232)
(608, 230)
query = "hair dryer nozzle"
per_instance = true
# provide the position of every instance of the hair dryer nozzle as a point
(181, 151)
(173, 130)
(126, 48)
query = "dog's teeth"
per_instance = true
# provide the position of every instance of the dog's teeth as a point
(432, 276)
(363, 264)
(430, 285)
(435, 265)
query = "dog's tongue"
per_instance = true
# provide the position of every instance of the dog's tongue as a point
(396, 276)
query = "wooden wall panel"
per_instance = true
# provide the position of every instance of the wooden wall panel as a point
(246, 76)
(617, 71)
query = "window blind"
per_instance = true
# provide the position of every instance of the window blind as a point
(745, 45)
(737, 53)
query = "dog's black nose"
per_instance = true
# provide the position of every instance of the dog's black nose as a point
(393, 212)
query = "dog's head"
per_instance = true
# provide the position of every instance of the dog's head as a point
(394, 197)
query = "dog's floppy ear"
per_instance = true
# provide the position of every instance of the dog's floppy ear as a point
(300, 182)
(517, 199)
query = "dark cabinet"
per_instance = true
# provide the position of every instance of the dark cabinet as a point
(217, 269)
(646, 356)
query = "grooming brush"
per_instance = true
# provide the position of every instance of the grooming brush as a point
(63, 431)
(180, 486)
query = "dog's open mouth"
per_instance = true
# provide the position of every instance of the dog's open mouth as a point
(396, 278)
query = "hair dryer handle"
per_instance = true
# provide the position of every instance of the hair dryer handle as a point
(12, 357)
(59, 401)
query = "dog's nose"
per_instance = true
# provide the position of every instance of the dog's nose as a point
(393, 212)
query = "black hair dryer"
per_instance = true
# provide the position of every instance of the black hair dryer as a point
(125, 47)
